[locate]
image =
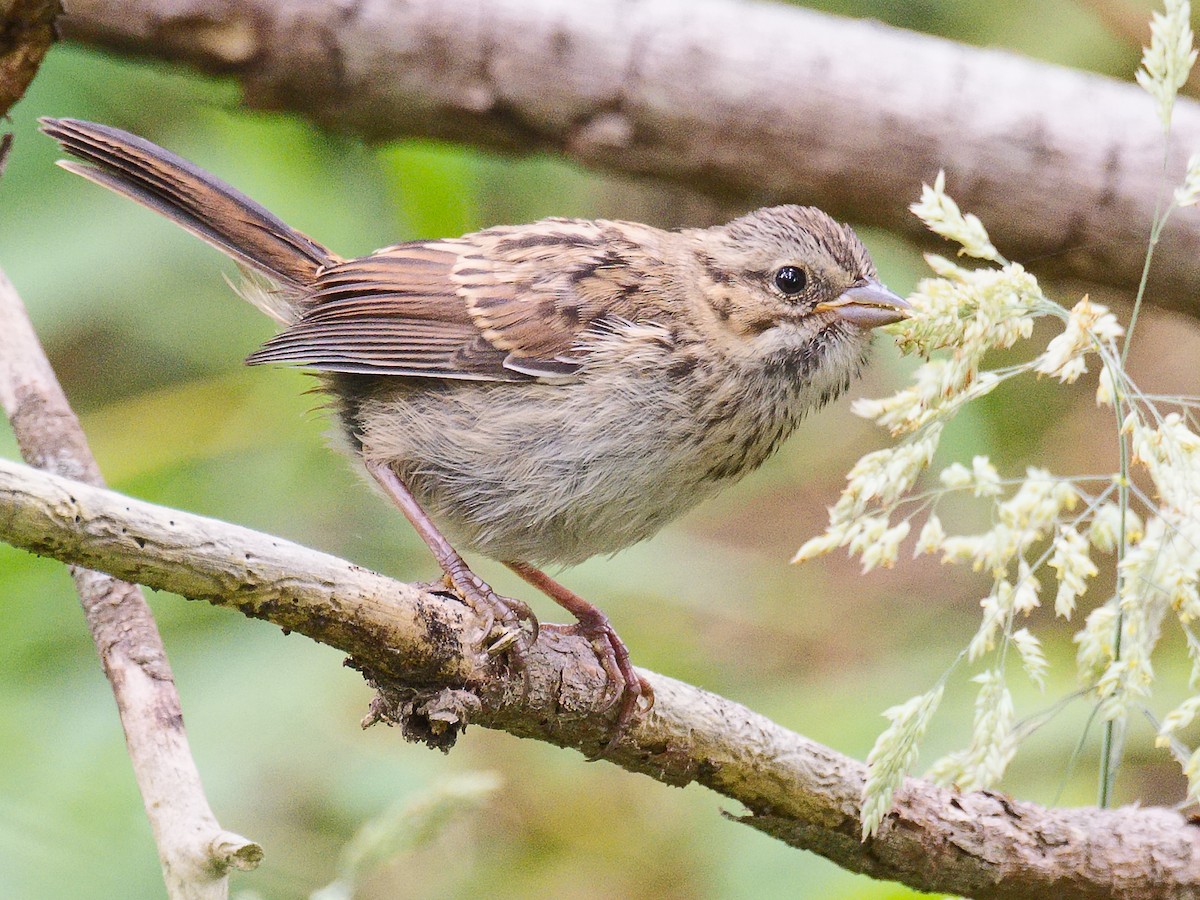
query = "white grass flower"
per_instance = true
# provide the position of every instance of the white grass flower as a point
(971, 310)
(1139, 568)
(883, 476)
(893, 755)
(999, 607)
(1038, 502)
(948, 269)
(871, 530)
(992, 551)
(1192, 771)
(820, 545)
(1032, 657)
(1168, 59)
(1087, 324)
(1073, 566)
(942, 216)
(982, 477)
(962, 548)
(1105, 531)
(1000, 547)
(996, 608)
(1171, 455)
(931, 536)
(1106, 387)
(992, 746)
(940, 387)
(1065, 493)
(1095, 642)
(1193, 649)
(1188, 194)
(886, 548)
(1178, 580)
(1142, 604)
(1025, 593)
(985, 477)
(1176, 720)
(955, 476)
(950, 769)
(1126, 681)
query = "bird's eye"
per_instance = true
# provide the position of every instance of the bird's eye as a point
(791, 280)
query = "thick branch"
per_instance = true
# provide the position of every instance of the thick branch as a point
(196, 854)
(756, 103)
(982, 844)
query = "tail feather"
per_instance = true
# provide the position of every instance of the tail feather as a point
(194, 199)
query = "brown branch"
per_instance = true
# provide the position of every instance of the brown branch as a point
(409, 644)
(753, 102)
(195, 852)
(26, 33)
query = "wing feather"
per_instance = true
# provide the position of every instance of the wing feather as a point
(505, 304)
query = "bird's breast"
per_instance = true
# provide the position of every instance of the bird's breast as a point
(556, 473)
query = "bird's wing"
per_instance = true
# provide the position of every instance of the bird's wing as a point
(505, 304)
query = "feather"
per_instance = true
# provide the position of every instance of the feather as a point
(485, 306)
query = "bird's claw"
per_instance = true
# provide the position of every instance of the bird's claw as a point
(624, 687)
(508, 625)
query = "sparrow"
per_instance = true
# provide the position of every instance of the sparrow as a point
(541, 393)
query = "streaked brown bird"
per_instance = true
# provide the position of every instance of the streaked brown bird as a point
(541, 393)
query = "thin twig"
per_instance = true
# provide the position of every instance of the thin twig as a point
(195, 852)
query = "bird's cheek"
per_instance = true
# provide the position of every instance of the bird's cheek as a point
(749, 322)
(780, 336)
(794, 334)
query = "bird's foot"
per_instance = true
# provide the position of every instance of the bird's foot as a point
(508, 625)
(628, 691)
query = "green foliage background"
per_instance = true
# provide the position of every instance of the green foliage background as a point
(148, 341)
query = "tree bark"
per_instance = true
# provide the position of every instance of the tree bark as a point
(752, 102)
(409, 644)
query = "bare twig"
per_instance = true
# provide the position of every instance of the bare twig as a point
(195, 852)
(752, 102)
(409, 644)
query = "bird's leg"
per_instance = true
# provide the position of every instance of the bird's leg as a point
(610, 649)
(512, 614)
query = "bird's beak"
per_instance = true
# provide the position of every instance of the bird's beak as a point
(868, 306)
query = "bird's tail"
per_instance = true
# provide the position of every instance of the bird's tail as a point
(196, 200)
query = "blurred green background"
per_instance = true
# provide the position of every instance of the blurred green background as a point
(148, 341)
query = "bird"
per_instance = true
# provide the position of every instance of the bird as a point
(542, 393)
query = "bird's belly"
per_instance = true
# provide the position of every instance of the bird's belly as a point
(551, 474)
